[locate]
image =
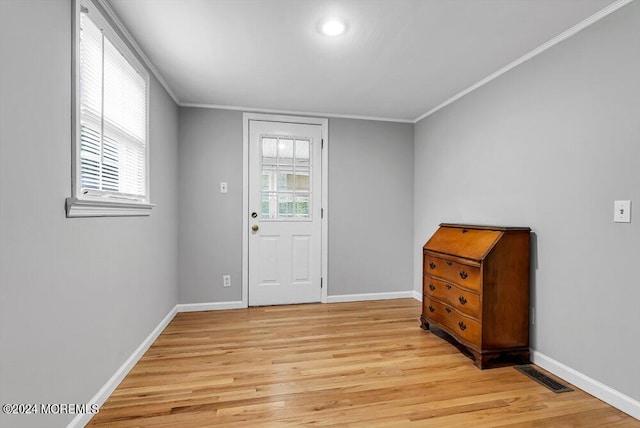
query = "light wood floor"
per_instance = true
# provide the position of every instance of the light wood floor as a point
(345, 364)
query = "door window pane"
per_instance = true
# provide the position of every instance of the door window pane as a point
(269, 147)
(285, 205)
(268, 177)
(269, 204)
(285, 178)
(285, 151)
(286, 174)
(302, 179)
(301, 205)
(302, 152)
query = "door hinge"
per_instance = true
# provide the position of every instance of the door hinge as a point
(321, 282)
(321, 212)
(322, 143)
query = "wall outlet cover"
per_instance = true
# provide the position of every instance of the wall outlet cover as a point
(622, 212)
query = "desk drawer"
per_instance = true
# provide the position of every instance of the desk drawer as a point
(464, 328)
(463, 300)
(465, 275)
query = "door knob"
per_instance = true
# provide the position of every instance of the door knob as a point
(255, 228)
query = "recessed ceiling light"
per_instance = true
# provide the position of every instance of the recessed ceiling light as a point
(333, 27)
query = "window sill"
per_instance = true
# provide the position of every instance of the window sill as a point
(106, 208)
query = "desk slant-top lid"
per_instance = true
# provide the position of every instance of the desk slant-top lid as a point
(467, 241)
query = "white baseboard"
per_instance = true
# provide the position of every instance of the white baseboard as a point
(82, 419)
(369, 296)
(597, 389)
(213, 306)
(417, 295)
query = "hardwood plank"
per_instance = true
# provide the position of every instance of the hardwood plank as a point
(333, 365)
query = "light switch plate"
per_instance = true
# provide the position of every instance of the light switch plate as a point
(622, 212)
(223, 187)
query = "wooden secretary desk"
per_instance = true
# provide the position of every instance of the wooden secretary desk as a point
(475, 287)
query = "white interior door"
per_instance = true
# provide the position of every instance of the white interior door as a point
(285, 227)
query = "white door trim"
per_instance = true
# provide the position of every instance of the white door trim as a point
(246, 117)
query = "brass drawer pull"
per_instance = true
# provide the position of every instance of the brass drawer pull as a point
(449, 262)
(432, 265)
(432, 287)
(462, 300)
(448, 286)
(431, 309)
(448, 310)
(463, 274)
(462, 326)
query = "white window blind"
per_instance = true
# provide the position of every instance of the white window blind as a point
(113, 118)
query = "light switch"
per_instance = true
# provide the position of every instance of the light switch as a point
(622, 212)
(223, 187)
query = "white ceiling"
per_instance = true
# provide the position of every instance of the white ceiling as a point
(398, 59)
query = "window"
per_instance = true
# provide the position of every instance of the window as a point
(110, 175)
(286, 185)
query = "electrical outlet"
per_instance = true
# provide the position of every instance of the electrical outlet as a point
(223, 187)
(622, 212)
(226, 280)
(533, 315)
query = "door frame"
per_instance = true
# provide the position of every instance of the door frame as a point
(324, 123)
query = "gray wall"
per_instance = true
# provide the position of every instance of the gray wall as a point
(370, 206)
(550, 145)
(70, 315)
(210, 225)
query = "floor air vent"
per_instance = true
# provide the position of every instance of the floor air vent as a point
(543, 379)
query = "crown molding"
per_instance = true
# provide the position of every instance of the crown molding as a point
(540, 49)
(296, 112)
(537, 51)
(129, 38)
